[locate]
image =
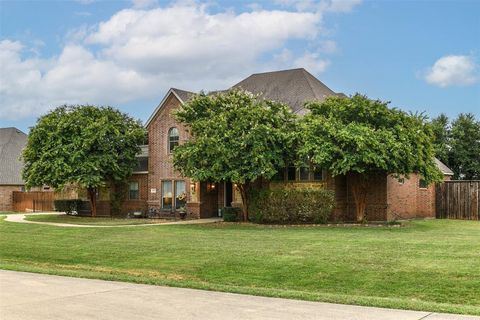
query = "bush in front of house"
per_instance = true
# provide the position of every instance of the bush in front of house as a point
(67, 205)
(231, 214)
(292, 206)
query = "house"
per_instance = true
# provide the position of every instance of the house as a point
(167, 191)
(12, 142)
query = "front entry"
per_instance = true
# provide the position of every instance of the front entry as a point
(228, 194)
(208, 199)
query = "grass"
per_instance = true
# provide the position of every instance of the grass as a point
(428, 265)
(102, 221)
(7, 212)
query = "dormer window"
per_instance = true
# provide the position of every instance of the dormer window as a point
(173, 139)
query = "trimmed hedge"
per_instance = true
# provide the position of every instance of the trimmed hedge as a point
(231, 214)
(68, 206)
(291, 206)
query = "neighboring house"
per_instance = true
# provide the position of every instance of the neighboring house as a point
(12, 142)
(167, 191)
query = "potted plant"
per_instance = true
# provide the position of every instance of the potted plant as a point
(182, 212)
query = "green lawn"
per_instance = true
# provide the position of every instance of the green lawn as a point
(102, 221)
(428, 265)
(8, 212)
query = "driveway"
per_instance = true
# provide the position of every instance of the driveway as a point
(36, 296)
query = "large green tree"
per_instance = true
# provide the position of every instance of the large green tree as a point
(440, 128)
(465, 147)
(363, 137)
(236, 137)
(84, 145)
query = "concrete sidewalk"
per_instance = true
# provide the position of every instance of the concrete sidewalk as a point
(20, 217)
(36, 296)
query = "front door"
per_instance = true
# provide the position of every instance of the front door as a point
(208, 200)
(228, 194)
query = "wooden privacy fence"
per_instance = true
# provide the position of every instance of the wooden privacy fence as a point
(34, 201)
(458, 200)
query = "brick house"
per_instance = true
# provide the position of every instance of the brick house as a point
(12, 142)
(167, 191)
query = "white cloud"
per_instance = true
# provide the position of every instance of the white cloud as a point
(452, 70)
(312, 62)
(139, 53)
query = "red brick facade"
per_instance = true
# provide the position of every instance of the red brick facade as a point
(160, 166)
(388, 199)
(408, 199)
(6, 197)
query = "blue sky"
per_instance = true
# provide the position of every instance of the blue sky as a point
(420, 55)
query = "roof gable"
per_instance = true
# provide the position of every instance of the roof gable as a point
(182, 96)
(12, 142)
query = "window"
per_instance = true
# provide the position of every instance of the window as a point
(317, 174)
(291, 172)
(142, 165)
(133, 191)
(422, 184)
(180, 194)
(173, 139)
(304, 173)
(174, 195)
(280, 175)
(167, 199)
(311, 173)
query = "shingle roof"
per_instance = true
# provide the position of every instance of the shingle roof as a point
(293, 87)
(183, 95)
(443, 168)
(12, 142)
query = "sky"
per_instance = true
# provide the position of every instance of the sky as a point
(422, 56)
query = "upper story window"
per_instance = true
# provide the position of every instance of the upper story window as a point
(142, 164)
(173, 139)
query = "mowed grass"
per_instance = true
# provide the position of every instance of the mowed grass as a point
(427, 265)
(99, 221)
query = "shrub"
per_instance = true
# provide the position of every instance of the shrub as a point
(231, 214)
(68, 206)
(292, 206)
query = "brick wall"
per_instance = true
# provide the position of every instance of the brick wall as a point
(406, 200)
(376, 209)
(160, 166)
(141, 203)
(402, 197)
(6, 197)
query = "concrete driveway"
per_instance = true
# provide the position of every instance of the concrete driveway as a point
(36, 296)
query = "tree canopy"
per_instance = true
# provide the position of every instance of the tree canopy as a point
(359, 136)
(464, 141)
(440, 128)
(236, 137)
(84, 145)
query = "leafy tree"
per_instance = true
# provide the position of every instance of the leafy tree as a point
(465, 147)
(84, 145)
(440, 128)
(363, 137)
(236, 137)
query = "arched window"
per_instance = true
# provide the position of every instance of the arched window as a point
(173, 138)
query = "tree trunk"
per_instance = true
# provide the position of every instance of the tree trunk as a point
(243, 188)
(359, 190)
(92, 195)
